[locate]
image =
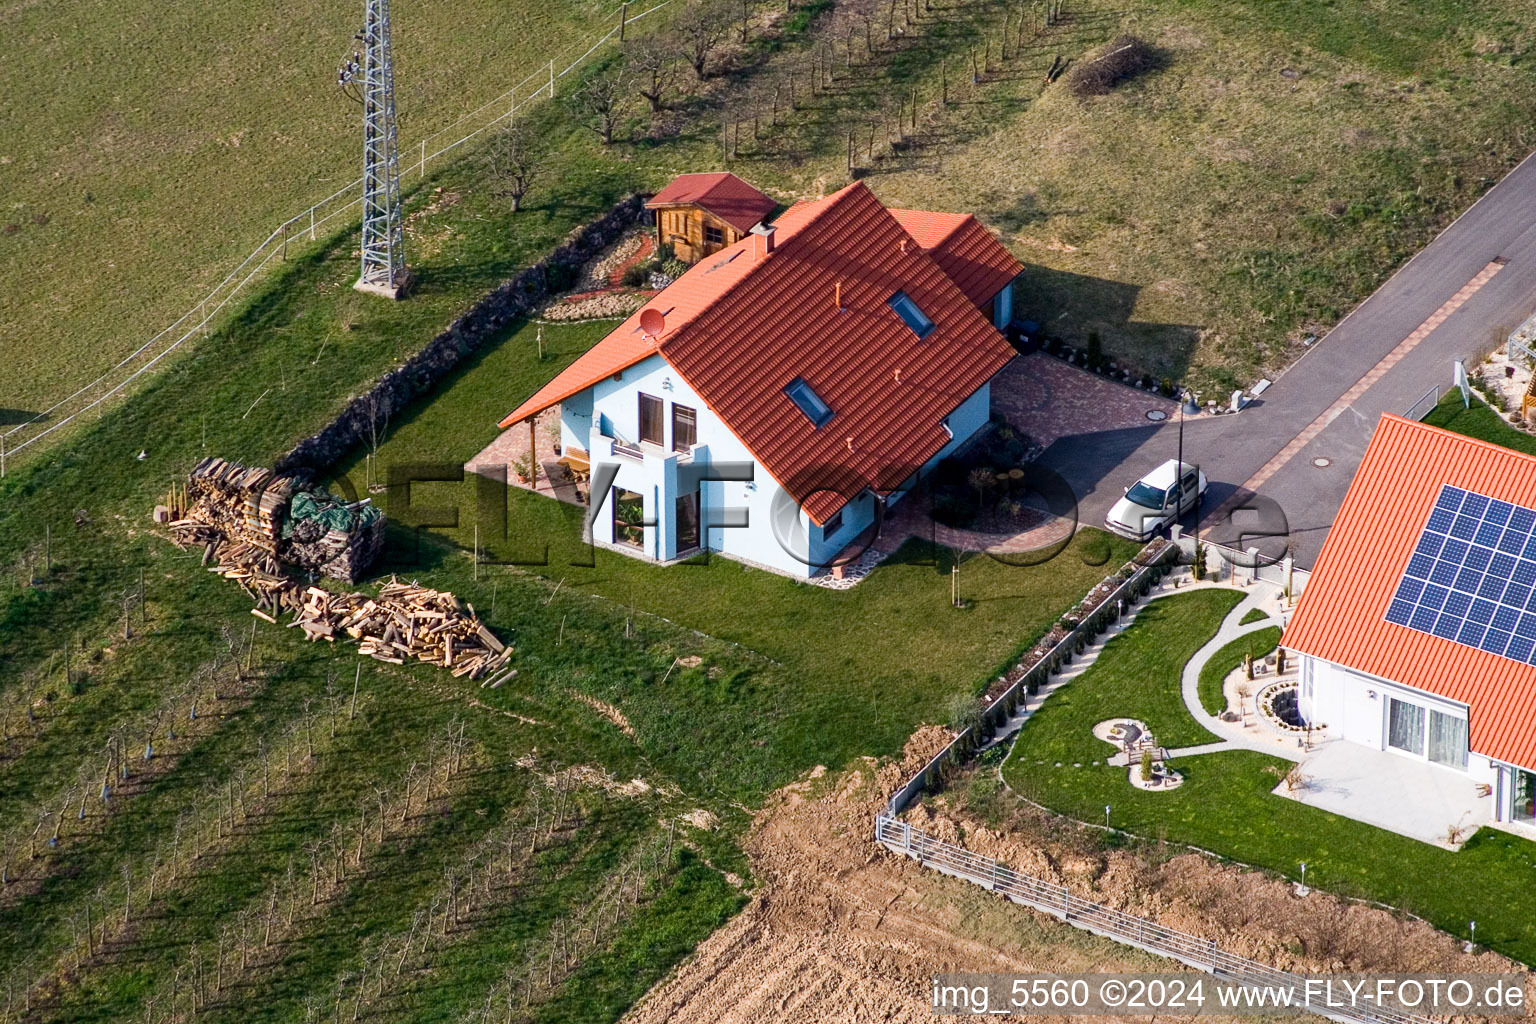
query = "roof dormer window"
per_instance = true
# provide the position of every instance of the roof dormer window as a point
(909, 312)
(808, 401)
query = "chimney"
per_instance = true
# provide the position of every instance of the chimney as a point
(764, 244)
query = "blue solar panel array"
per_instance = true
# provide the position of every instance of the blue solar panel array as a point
(1472, 576)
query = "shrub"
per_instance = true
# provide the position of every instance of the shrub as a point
(635, 276)
(674, 268)
(665, 252)
(952, 511)
(1123, 59)
(1095, 351)
(1146, 766)
(1167, 388)
(962, 712)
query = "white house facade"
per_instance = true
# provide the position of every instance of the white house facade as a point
(1416, 635)
(775, 421)
(663, 441)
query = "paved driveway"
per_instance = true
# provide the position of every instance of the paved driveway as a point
(1476, 276)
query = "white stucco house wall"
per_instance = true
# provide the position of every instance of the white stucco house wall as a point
(772, 402)
(1417, 631)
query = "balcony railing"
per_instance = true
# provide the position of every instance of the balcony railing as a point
(627, 450)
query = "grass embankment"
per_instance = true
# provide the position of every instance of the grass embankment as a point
(147, 149)
(1215, 671)
(1479, 421)
(1206, 217)
(797, 676)
(1202, 218)
(1226, 804)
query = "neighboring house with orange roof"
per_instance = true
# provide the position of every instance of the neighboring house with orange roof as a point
(775, 399)
(700, 214)
(1417, 629)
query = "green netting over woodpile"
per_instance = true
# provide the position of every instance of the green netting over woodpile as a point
(329, 511)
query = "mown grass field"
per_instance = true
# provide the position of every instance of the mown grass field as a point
(146, 149)
(1226, 804)
(256, 881)
(1202, 220)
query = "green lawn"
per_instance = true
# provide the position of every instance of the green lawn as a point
(1252, 615)
(1226, 805)
(1479, 421)
(860, 667)
(1258, 643)
(1137, 676)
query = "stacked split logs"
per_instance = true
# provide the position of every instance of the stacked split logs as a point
(236, 516)
(248, 505)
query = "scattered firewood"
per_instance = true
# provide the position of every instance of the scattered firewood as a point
(406, 621)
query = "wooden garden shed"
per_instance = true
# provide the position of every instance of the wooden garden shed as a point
(700, 214)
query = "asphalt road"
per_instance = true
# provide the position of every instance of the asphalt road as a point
(1231, 449)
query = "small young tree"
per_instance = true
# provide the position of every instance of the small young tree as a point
(601, 103)
(1146, 766)
(652, 70)
(701, 29)
(515, 158)
(963, 712)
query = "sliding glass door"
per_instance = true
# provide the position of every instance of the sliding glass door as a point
(1436, 735)
(1447, 739)
(1525, 797)
(1405, 726)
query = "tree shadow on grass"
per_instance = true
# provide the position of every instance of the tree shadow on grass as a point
(1073, 306)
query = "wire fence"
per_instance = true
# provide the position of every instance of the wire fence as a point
(302, 228)
(1059, 901)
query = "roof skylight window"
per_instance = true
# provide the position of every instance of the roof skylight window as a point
(909, 312)
(808, 401)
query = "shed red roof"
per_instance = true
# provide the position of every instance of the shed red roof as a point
(721, 193)
(1341, 617)
(740, 329)
(972, 257)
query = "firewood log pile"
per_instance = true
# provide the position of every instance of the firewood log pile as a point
(405, 621)
(224, 510)
(302, 527)
(248, 505)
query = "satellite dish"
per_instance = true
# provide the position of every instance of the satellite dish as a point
(652, 322)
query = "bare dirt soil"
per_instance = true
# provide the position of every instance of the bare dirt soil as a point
(1246, 912)
(840, 930)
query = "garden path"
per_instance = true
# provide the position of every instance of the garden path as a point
(1266, 598)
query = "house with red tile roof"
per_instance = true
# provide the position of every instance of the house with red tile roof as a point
(775, 399)
(700, 214)
(1417, 629)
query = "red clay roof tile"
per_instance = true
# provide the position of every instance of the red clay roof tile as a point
(1341, 616)
(721, 193)
(972, 257)
(733, 336)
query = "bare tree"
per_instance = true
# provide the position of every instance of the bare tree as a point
(651, 68)
(701, 29)
(515, 161)
(601, 102)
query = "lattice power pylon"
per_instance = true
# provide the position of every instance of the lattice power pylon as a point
(369, 78)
